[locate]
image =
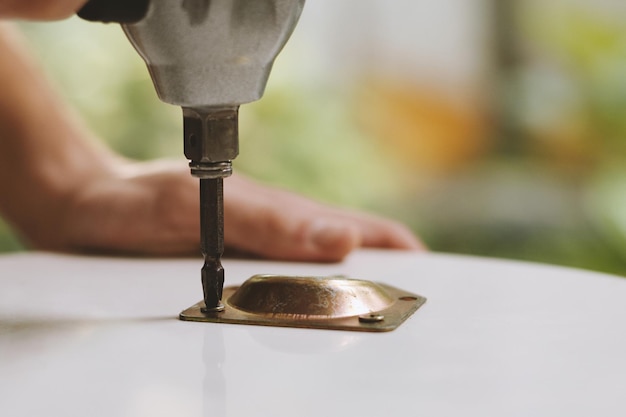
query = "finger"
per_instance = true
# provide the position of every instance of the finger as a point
(278, 224)
(378, 232)
(39, 9)
(288, 234)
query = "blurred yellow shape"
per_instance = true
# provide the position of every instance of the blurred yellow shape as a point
(423, 126)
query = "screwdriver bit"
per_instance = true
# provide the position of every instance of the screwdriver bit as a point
(212, 241)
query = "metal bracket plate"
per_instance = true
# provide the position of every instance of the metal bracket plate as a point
(399, 306)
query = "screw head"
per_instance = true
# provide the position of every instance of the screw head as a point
(371, 318)
(217, 309)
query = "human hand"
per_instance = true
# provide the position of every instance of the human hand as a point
(39, 9)
(153, 209)
(62, 190)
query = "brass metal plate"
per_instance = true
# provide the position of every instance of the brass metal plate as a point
(398, 307)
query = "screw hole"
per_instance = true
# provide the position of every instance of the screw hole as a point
(407, 298)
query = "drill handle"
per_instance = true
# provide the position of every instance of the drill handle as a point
(119, 11)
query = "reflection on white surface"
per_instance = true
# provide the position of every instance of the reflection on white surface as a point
(306, 341)
(495, 339)
(214, 355)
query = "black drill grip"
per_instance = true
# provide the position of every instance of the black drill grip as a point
(119, 11)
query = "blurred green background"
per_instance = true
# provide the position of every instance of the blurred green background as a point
(494, 128)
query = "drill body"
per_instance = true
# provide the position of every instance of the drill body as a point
(209, 57)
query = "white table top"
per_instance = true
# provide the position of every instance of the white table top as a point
(89, 336)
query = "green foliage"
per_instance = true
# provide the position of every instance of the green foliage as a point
(106, 81)
(8, 241)
(585, 46)
(306, 140)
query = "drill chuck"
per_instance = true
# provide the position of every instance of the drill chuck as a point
(211, 135)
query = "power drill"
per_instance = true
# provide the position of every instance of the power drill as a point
(209, 57)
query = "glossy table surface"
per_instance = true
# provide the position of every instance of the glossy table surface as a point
(98, 336)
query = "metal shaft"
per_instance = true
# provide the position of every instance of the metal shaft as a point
(212, 241)
(211, 143)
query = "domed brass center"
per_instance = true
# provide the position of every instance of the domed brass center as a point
(309, 297)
